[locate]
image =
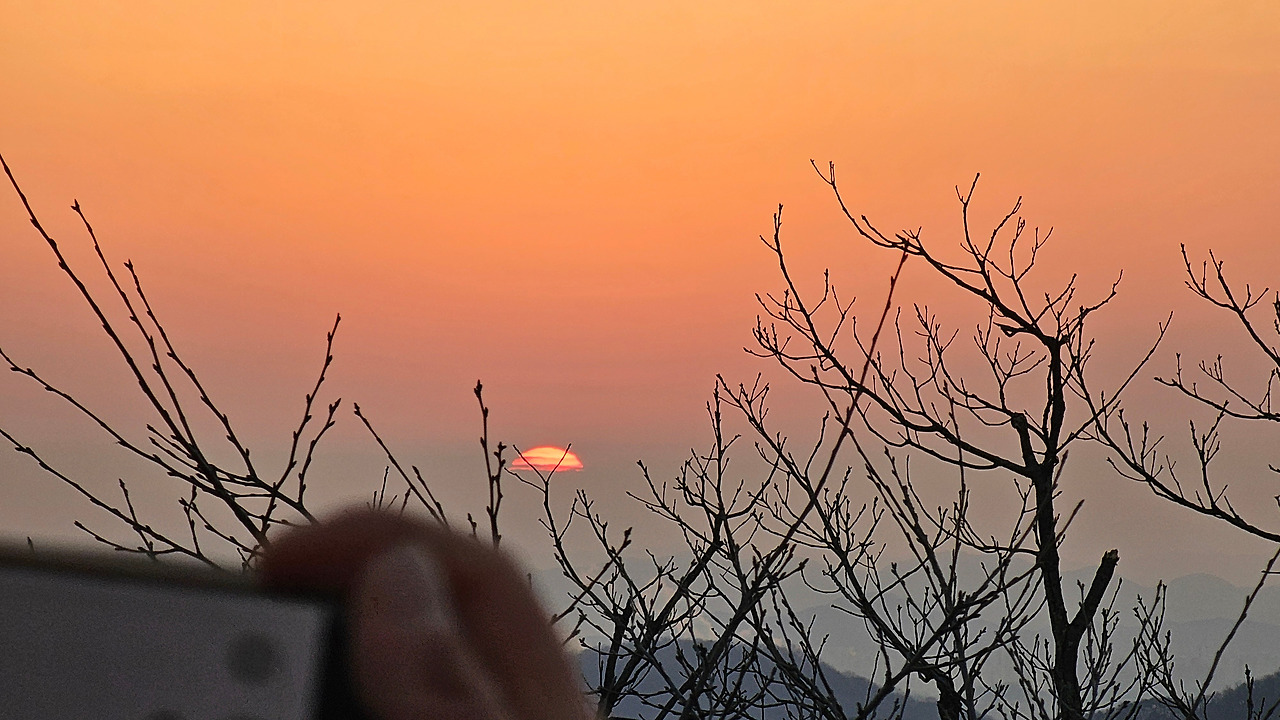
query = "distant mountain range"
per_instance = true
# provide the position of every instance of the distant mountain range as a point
(1200, 610)
(850, 690)
(1231, 704)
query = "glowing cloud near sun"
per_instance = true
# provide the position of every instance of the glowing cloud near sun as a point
(546, 459)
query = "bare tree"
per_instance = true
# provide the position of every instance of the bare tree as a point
(1016, 418)
(233, 505)
(1140, 454)
(717, 636)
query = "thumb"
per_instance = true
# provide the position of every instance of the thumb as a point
(410, 655)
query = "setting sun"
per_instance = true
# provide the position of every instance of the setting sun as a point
(547, 458)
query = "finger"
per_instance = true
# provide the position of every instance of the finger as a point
(499, 621)
(410, 658)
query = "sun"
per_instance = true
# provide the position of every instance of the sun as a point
(547, 458)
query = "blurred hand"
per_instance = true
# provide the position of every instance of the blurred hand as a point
(442, 627)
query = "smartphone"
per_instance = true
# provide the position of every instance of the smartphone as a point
(94, 636)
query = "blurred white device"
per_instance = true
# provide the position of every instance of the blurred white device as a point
(84, 637)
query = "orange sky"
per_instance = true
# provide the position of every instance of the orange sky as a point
(562, 197)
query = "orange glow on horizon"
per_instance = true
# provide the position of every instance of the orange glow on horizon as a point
(547, 458)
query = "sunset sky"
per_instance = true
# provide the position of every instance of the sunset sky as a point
(563, 199)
